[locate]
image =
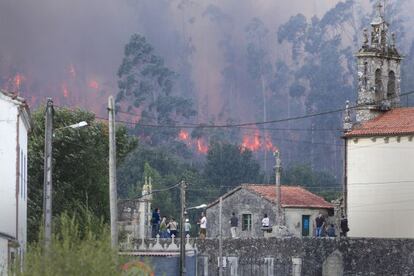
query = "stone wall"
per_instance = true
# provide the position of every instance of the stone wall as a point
(241, 202)
(308, 256)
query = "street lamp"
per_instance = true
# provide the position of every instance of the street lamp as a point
(47, 180)
(184, 210)
(202, 206)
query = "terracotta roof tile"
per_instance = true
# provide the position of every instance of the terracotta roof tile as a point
(397, 121)
(292, 196)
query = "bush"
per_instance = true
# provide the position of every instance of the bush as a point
(80, 246)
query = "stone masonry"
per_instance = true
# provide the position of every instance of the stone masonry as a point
(308, 257)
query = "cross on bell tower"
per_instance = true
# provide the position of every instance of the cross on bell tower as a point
(378, 70)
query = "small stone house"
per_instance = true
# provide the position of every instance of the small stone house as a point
(251, 201)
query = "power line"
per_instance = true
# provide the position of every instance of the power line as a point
(152, 192)
(240, 125)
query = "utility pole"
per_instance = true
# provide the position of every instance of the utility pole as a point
(112, 174)
(182, 232)
(47, 180)
(220, 262)
(279, 219)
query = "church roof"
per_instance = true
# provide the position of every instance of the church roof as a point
(291, 196)
(398, 121)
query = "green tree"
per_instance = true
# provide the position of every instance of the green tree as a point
(146, 85)
(80, 164)
(229, 165)
(166, 170)
(321, 183)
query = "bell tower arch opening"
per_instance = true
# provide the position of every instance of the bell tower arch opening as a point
(391, 91)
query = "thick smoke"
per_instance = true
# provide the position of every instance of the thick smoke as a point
(70, 50)
(59, 45)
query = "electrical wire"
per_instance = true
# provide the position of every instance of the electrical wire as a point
(152, 192)
(246, 124)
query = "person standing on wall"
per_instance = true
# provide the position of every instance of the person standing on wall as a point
(163, 228)
(344, 226)
(320, 224)
(234, 223)
(173, 225)
(203, 226)
(187, 227)
(155, 221)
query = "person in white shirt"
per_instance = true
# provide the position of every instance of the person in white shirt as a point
(265, 221)
(203, 226)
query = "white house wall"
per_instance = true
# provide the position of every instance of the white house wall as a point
(381, 187)
(8, 134)
(3, 256)
(22, 196)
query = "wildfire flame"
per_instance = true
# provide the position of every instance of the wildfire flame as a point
(251, 143)
(65, 90)
(18, 80)
(201, 146)
(255, 143)
(183, 135)
(269, 145)
(93, 84)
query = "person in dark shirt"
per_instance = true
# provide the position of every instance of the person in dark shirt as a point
(344, 226)
(155, 221)
(331, 231)
(320, 224)
(234, 223)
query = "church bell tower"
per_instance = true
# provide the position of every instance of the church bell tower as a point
(379, 74)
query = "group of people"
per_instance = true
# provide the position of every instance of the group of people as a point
(168, 228)
(322, 230)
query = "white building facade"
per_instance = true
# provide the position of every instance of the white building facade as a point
(15, 124)
(380, 176)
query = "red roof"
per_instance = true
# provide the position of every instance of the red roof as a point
(397, 121)
(292, 196)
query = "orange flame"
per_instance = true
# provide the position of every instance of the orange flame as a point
(65, 90)
(183, 135)
(251, 143)
(93, 84)
(17, 80)
(269, 145)
(255, 143)
(201, 146)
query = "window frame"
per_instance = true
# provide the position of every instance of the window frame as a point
(247, 222)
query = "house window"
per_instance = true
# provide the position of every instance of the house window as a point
(246, 222)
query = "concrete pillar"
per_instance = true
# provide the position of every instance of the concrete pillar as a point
(296, 266)
(269, 266)
(202, 265)
(333, 265)
(233, 265)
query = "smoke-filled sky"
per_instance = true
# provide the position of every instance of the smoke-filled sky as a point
(50, 42)
(71, 50)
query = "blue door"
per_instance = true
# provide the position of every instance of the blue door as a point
(305, 225)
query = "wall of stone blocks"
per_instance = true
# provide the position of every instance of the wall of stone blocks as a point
(308, 257)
